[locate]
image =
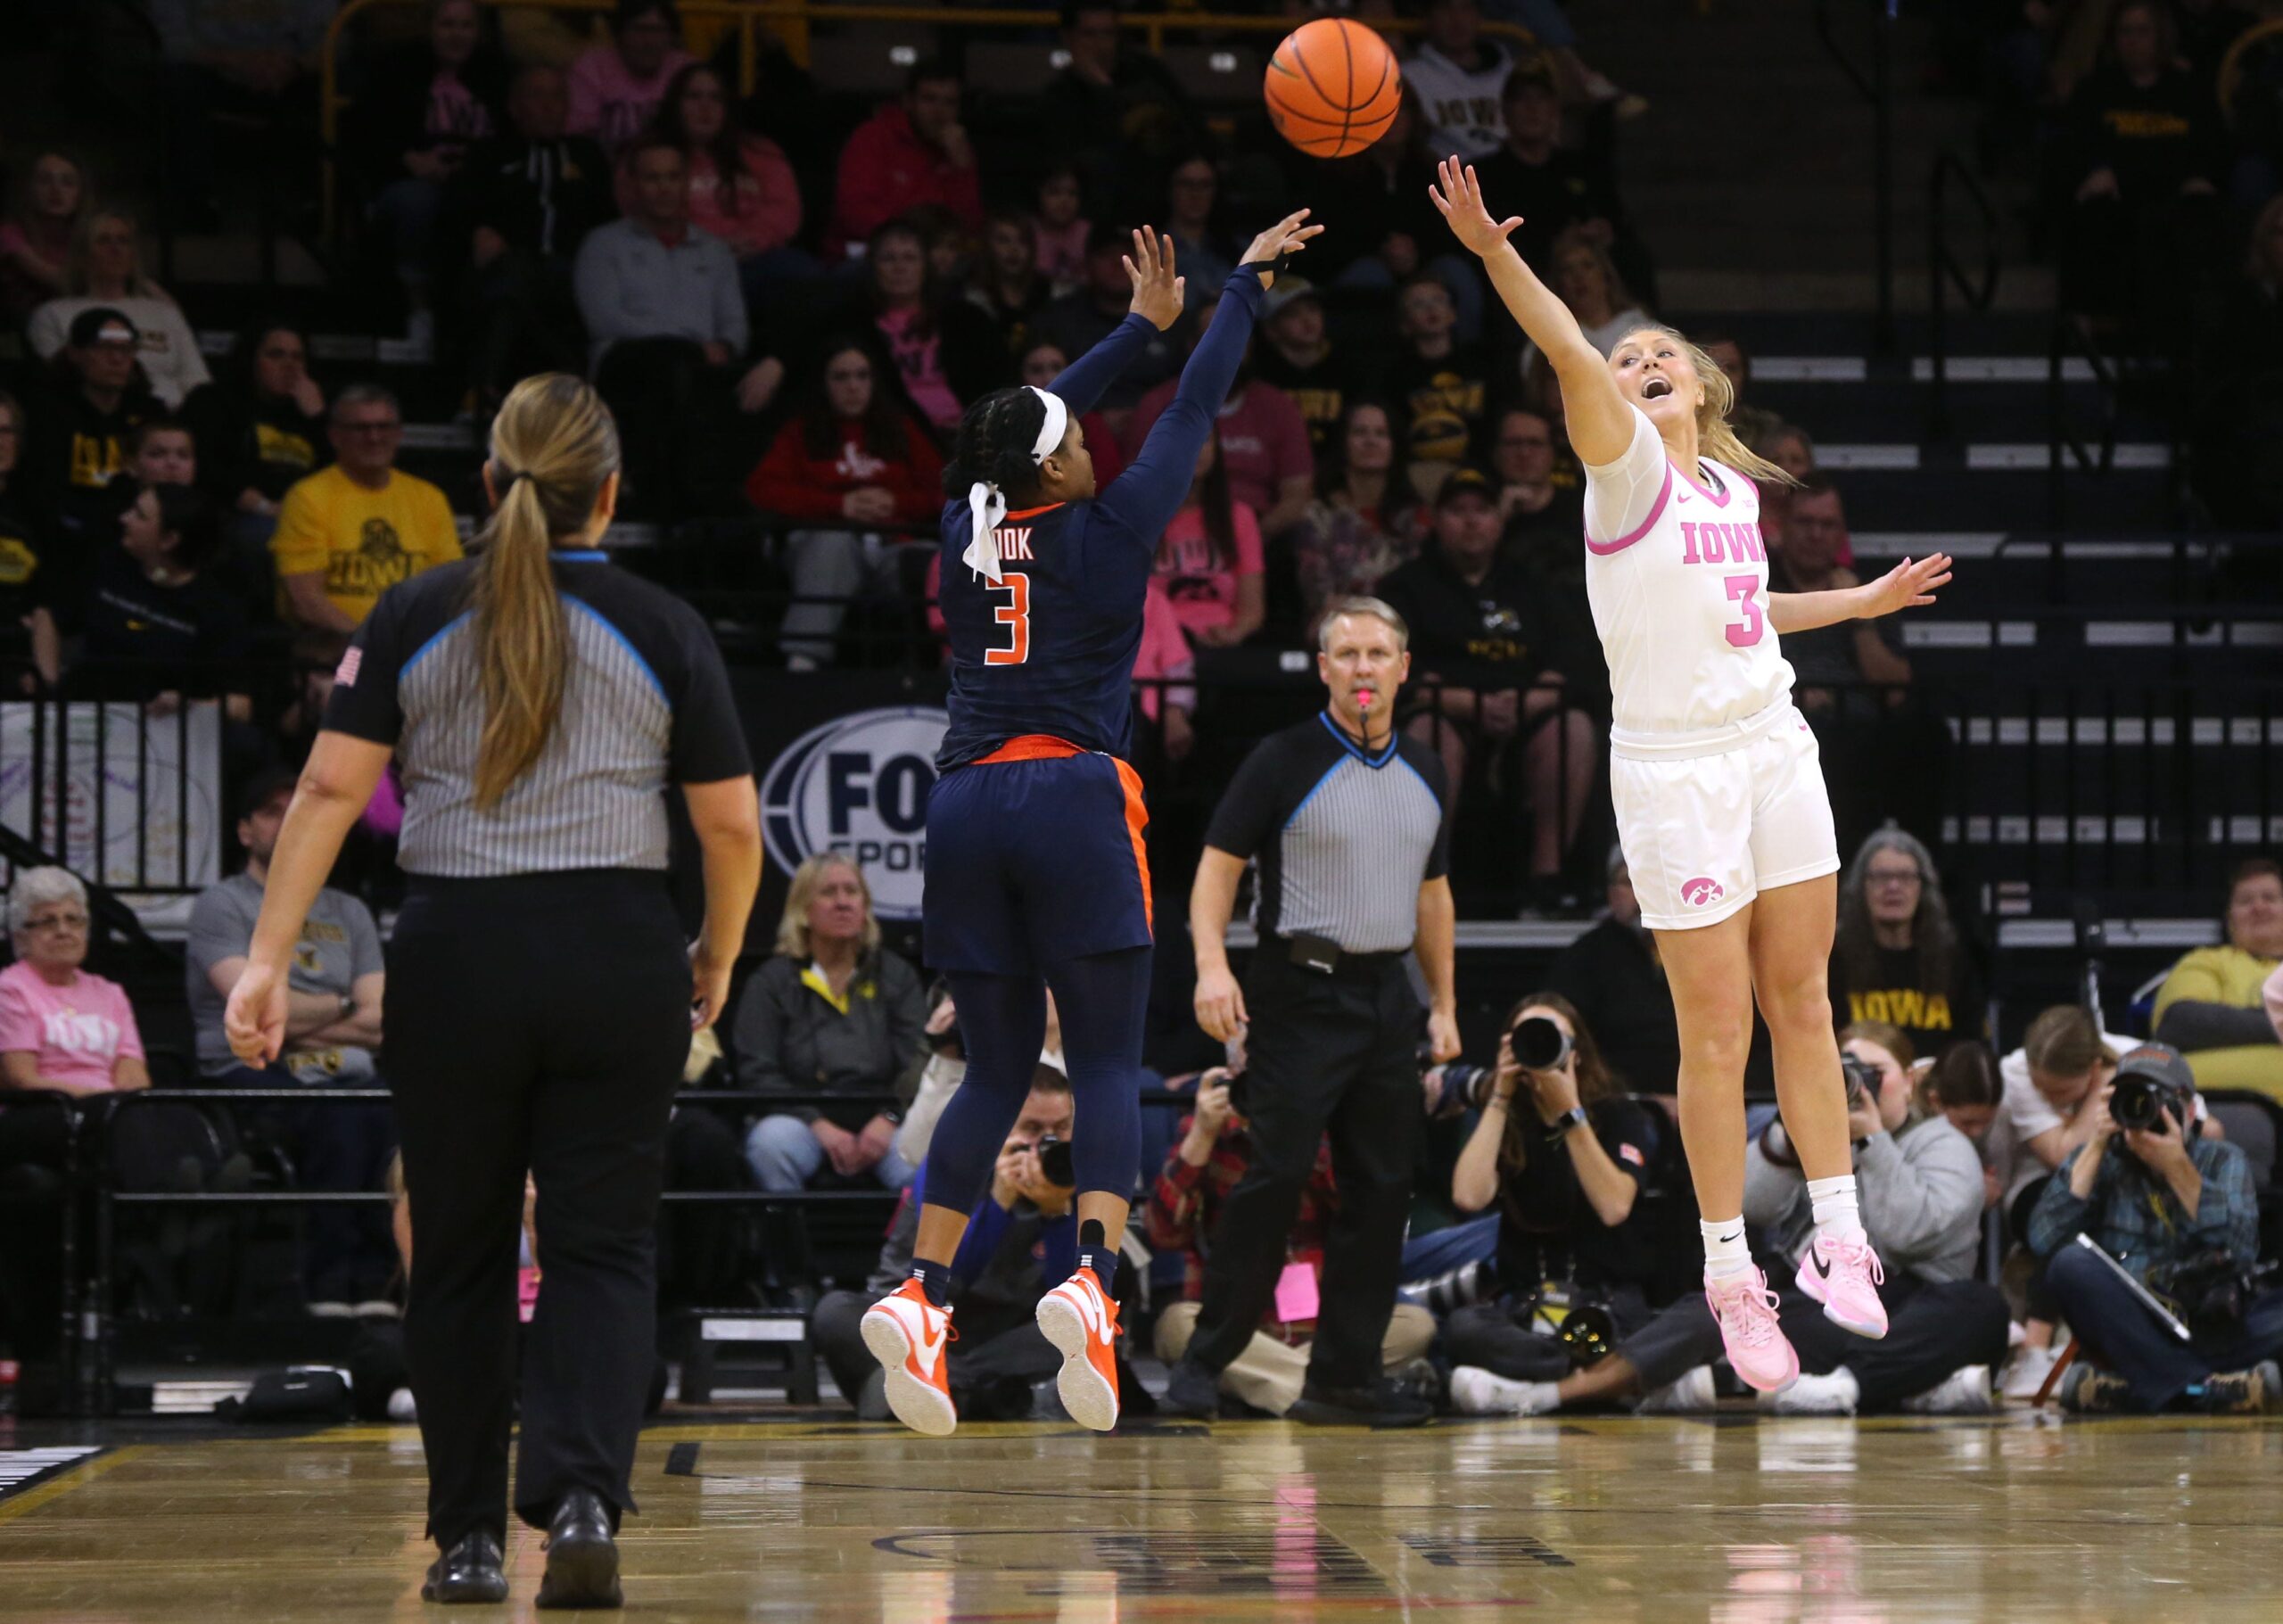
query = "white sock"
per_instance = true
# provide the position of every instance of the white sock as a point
(1836, 1216)
(1726, 1255)
(1478, 1392)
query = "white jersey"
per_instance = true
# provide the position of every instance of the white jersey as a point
(1678, 576)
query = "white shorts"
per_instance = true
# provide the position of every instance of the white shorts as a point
(1708, 822)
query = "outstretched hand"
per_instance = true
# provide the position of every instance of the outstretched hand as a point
(1159, 294)
(1910, 585)
(1459, 197)
(1286, 236)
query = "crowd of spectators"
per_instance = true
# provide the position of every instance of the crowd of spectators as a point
(788, 336)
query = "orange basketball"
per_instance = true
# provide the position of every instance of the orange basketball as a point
(1333, 87)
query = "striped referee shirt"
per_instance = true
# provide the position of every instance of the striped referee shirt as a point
(646, 703)
(1343, 836)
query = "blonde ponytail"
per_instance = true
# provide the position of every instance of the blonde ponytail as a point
(553, 446)
(1715, 438)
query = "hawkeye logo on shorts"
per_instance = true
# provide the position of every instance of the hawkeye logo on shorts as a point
(860, 785)
(1703, 892)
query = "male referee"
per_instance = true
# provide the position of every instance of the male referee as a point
(1350, 824)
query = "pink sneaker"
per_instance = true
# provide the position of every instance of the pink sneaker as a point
(1845, 1276)
(1758, 1348)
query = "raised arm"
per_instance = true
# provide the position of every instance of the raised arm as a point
(1156, 306)
(1910, 585)
(1601, 423)
(1151, 491)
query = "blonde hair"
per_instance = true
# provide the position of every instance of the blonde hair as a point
(553, 447)
(792, 928)
(2064, 1042)
(1715, 437)
(139, 285)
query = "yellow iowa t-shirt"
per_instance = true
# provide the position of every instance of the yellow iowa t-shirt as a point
(365, 541)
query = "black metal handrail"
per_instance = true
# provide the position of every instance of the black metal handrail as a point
(2073, 339)
(1945, 273)
(1877, 85)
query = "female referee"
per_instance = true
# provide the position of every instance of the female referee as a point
(541, 995)
(1036, 873)
(1719, 793)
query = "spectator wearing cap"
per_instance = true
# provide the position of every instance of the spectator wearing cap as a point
(1479, 639)
(1555, 188)
(332, 1035)
(1442, 383)
(103, 398)
(914, 152)
(1364, 523)
(2211, 1007)
(152, 624)
(1080, 319)
(1295, 353)
(2157, 1199)
(347, 533)
(617, 87)
(527, 198)
(1263, 439)
(1897, 957)
(106, 273)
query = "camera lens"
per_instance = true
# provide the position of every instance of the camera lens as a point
(1862, 1079)
(1539, 1044)
(2135, 1103)
(1056, 1162)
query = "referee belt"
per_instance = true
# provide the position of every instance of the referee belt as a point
(1317, 956)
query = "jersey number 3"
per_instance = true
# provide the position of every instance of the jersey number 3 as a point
(1744, 591)
(1016, 612)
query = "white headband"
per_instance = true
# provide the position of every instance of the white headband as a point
(986, 504)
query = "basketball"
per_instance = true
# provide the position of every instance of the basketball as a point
(1333, 87)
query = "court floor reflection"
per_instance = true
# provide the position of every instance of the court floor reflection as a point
(1728, 1519)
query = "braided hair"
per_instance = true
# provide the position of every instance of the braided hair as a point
(993, 445)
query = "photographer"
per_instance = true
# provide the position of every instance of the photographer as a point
(2176, 1211)
(1207, 1165)
(1563, 1155)
(1921, 1193)
(1021, 1243)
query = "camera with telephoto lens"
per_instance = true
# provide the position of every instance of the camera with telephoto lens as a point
(1055, 1164)
(1862, 1079)
(2139, 1103)
(1540, 1045)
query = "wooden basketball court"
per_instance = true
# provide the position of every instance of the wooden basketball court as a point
(1729, 1519)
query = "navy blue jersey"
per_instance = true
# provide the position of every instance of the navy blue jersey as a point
(1050, 650)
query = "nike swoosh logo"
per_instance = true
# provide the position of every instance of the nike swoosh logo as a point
(926, 1351)
(1815, 1261)
(1090, 1312)
(1684, 496)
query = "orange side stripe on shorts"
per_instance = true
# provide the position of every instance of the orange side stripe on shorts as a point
(1031, 747)
(1137, 820)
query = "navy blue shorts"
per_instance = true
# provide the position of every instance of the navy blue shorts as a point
(1035, 856)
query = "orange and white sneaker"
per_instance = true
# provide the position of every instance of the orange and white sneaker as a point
(907, 1335)
(1079, 1318)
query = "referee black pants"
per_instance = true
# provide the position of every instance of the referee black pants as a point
(1326, 1052)
(535, 1023)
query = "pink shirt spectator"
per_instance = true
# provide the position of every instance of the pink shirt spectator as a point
(1164, 655)
(1263, 440)
(1062, 251)
(769, 198)
(1202, 592)
(610, 104)
(921, 361)
(76, 1032)
(886, 168)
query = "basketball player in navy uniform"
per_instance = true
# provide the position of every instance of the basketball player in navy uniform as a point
(1036, 873)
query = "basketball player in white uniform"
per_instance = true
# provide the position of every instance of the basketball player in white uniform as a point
(1721, 802)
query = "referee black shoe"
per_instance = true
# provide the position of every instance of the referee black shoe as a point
(472, 1569)
(1193, 1393)
(1382, 1404)
(581, 1555)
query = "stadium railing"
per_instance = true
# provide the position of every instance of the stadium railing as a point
(791, 21)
